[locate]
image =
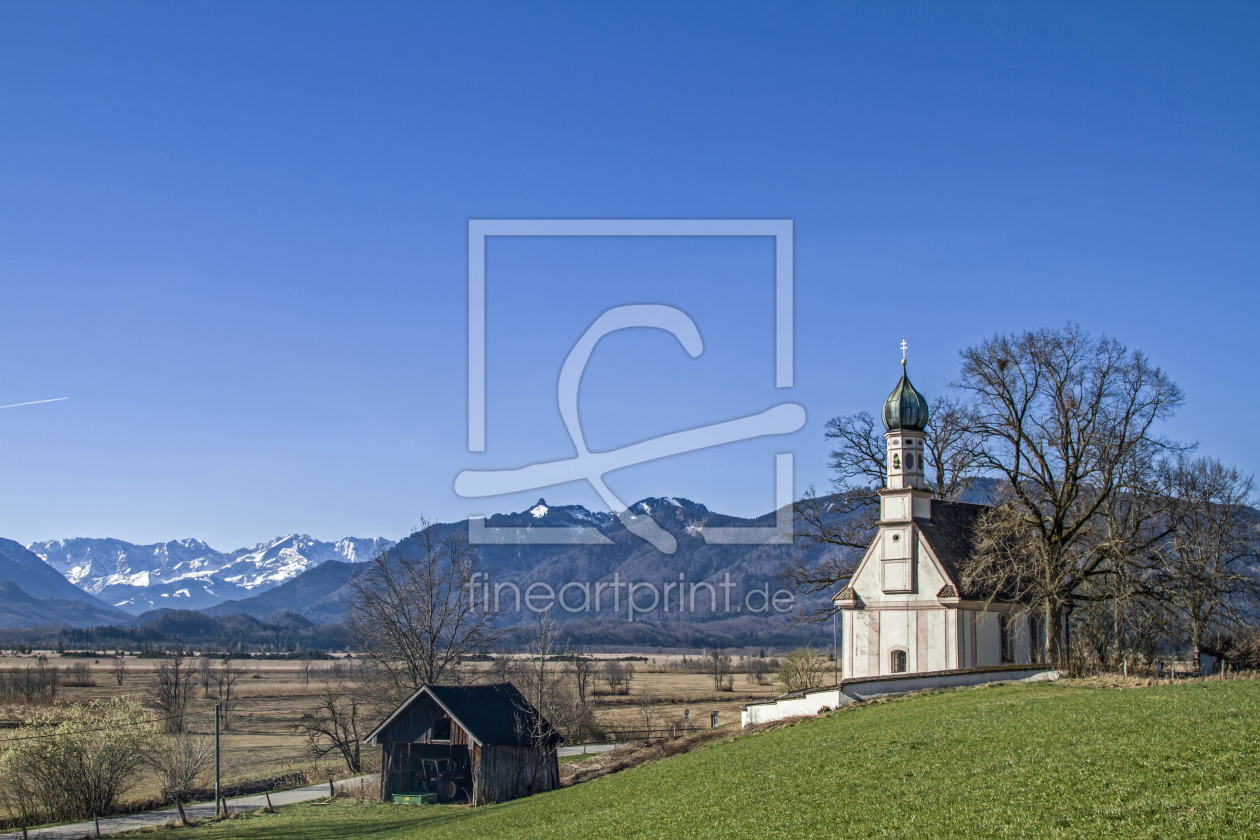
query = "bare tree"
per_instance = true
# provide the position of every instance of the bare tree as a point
(545, 682)
(860, 458)
(545, 676)
(842, 524)
(333, 727)
(584, 677)
(649, 711)
(180, 762)
(952, 446)
(304, 667)
(1205, 573)
(120, 668)
(757, 669)
(719, 668)
(204, 664)
(169, 690)
(1062, 420)
(224, 678)
(414, 612)
(617, 675)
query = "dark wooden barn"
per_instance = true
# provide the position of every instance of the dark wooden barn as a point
(483, 742)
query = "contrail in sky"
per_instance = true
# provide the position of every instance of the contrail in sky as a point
(36, 402)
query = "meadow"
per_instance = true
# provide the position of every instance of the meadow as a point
(272, 695)
(1074, 759)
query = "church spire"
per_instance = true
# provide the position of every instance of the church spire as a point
(905, 418)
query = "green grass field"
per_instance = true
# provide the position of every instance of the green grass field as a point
(1042, 760)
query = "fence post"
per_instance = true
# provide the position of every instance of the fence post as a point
(331, 790)
(96, 820)
(268, 801)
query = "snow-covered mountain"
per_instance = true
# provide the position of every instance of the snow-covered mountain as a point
(188, 574)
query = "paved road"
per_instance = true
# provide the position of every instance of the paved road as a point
(586, 749)
(195, 811)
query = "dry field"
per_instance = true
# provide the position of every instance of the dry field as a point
(263, 744)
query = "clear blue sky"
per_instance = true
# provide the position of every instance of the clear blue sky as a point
(234, 235)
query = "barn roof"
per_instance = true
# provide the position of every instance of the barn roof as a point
(495, 714)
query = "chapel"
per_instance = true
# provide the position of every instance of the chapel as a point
(906, 609)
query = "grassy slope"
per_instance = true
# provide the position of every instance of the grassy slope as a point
(1006, 761)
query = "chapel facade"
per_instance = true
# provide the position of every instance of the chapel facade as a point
(906, 609)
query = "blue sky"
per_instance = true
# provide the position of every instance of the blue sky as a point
(234, 235)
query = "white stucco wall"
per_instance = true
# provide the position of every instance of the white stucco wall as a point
(796, 707)
(834, 698)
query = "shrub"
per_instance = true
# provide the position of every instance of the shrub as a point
(71, 761)
(802, 669)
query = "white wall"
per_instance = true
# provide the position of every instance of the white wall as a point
(796, 707)
(851, 693)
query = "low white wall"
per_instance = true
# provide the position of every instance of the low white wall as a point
(794, 707)
(857, 690)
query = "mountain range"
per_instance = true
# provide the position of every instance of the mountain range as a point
(307, 577)
(188, 574)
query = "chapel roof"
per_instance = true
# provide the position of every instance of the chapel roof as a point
(951, 533)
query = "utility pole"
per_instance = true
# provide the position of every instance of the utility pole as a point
(216, 759)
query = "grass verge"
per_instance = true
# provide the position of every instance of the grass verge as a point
(1042, 760)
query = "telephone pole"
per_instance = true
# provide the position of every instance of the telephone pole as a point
(216, 759)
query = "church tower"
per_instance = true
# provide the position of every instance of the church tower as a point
(905, 418)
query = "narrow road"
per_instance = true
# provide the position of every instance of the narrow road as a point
(195, 811)
(586, 749)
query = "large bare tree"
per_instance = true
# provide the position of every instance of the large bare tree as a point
(1065, 422)
(1204, 572)
(413, 611)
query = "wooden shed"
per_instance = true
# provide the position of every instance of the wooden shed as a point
(483, 742)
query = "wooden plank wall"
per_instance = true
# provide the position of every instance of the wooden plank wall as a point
(501, 773)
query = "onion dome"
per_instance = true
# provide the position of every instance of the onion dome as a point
(905, 409)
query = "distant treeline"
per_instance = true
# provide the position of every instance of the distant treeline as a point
(277, 633)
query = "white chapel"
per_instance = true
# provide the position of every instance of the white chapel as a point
(905, 609)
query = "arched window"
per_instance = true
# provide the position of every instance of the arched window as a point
(1006, 643)
(899, 663)
(909, 461)
(1036, 638)
(896, 461)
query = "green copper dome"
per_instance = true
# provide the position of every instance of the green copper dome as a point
(905, 409)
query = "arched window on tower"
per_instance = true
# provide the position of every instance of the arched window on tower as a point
(896, 461)
(909, 461)
(899, 662)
